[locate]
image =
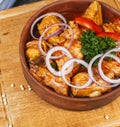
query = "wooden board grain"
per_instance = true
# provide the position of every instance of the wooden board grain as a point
(117, 3)
(25, 108)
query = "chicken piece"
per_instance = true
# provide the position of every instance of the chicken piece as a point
(76, 30)
(48, 21)
(94, 13)
(55, 40)
(117, 21)
(33, 54)
(61, 61)
(33, 43)
(111, 70)
(75, 48)
(93, 90)
(42, 74)
(112, 66)
(32, 51)
(66, 35)
(108, 27)
(111, 27)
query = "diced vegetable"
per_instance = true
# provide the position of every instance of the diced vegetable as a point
(88, 23)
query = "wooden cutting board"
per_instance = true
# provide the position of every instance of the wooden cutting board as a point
(23, 108)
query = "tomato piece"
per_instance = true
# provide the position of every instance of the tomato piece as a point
(88, 23)
(114, 36)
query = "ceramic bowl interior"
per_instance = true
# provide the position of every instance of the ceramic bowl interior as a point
(70, 9)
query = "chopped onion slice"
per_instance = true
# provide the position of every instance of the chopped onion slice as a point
(90, 72)
(100, 66)
(59, 31)
(66, 65)
(48, 57)
(42, 35)
(41, 17)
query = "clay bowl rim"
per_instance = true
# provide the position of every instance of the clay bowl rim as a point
(26, 68)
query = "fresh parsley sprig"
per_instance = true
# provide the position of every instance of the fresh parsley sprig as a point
(93, 45)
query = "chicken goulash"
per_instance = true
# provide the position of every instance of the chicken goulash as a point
(77, 57)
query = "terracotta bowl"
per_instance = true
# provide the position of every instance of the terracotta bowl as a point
(65, 7)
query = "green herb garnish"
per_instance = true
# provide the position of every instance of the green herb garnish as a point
(54, 65)
(93, 45)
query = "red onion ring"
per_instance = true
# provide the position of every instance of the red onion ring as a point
(41, 17)
(68, 63)
(100, 66)
(48, 57)
(41, 37)
(90, 72)
(59, 31)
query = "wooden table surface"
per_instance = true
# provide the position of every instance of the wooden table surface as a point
(23, 108)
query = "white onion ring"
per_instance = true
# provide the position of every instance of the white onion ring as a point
(41, 17)
(68, 63)
(48, 57)
(90, 72)
(41, 37)
(100, 66)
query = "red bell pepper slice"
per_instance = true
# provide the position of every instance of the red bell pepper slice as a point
(88, 23)
(114, 36)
